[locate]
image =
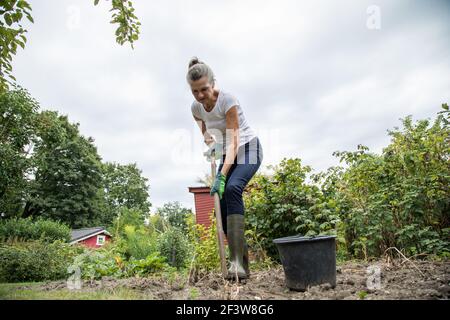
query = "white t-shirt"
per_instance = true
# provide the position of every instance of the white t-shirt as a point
(215, 120)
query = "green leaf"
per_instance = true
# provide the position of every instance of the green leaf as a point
(8, 19)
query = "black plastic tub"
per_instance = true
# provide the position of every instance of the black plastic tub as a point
(308, 261)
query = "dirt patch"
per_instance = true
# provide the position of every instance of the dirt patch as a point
(398, 280)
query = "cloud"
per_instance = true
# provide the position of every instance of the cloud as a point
(310, 76)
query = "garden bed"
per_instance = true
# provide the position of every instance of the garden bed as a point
(399, 280)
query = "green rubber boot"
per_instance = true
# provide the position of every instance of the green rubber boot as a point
(246, 259)
(235, 233)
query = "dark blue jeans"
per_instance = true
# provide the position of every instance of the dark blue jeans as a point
(244, 167)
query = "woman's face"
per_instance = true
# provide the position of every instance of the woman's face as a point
(202, 90)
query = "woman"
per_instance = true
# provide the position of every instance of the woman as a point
(225, 129)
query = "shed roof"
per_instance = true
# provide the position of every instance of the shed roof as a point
(202, 189)
(78, 234)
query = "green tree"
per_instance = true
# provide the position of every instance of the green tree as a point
(12, 32)
(18, 112)
(124, 187)
(12, 35)
(67, 177)
(175, 214)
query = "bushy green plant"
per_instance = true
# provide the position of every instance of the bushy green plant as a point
(400, 198)
(397, 199)
(284, 205)
(157, 224)
(109, 261)
(35, 260)
(97, 263)
(127, 217)
(29, 229)
(175, 214)
(259, 258)
(138, 243)
(151, 264)
(205, 252)
(174, 246)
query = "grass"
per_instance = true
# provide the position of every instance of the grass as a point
(16, 291)
(362, 295)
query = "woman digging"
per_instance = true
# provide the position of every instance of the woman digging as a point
(227, 133)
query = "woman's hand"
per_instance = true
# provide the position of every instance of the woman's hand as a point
(219, 185)
(214, 152)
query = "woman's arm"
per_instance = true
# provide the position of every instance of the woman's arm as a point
(207, 138)
(232, 129)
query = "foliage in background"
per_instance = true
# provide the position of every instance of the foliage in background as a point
(284, 204)
(445, 113)
(109, 261)
(28, 229)
(174, 246)
(397, 199)
(175, 214)
(124, 189)
(18, 112)
(153, 263)
(67, 176)
(12, 35)
(35, 260)
(129, 217)
(128, 24)
(205, 253)
(157, 224)
(401, 197)
(137, 243)
(48, 169)
(259, 259)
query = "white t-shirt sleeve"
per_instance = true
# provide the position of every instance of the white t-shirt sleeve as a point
(229, 101)
(195, 111)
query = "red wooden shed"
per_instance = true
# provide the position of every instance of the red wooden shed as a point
(90, 237)
(204, 205)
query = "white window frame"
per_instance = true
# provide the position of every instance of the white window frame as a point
(101, 236)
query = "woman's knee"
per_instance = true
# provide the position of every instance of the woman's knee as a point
(232, 189)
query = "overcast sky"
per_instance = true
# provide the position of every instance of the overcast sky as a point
(312, 77)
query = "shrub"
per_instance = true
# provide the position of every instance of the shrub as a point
(157, 224)
(35, 261)
(399, 198)
(285, 205)
(109, 261)
(174, 246)
(141, 267)
(28, 229)
(259, 258)
(95, 264)
(127, 217)
(138, 244)
(205, 253)
(175, 214)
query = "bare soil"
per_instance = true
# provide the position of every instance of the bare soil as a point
(399, 280)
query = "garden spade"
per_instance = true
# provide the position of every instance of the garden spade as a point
(210, 154)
